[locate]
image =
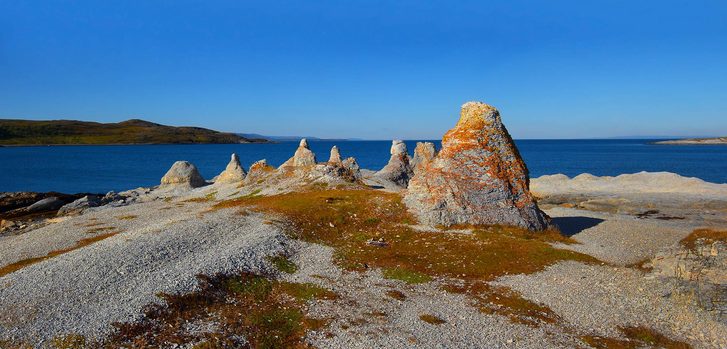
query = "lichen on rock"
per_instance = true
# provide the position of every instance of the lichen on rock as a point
(478, 177)
(424, 153)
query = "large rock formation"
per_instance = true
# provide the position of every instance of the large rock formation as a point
(423, 154)
(478, 177)
(398, 171)
(303, 157)
(183, 173)
(233, 172)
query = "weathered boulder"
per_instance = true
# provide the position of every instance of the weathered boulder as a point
(478, 177)
(183, 173)
(48, 204)
(335, 156)
(260, 170)
(303, 156)
(398, 171)
(233, 172)
(80, 205)
(423, 154)
(352, 165)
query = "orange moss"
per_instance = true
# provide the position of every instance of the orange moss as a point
(707, 235)
(506, 302)
(347, 219)
(10, 268)
(431, 319)
(636, 337)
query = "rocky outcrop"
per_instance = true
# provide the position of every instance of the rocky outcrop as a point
(423, 154)
(183, 173)
(303, 157)
(233, 172)
(478, 177)
(335, 156)
(260, 170)
(398, 171)
(352, 165)
(701, 272)
(89, 201)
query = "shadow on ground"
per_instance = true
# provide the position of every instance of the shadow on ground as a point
(570, 226)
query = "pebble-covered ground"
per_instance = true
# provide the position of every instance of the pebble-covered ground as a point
(160, 245)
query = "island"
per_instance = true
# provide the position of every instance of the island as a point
(134, 131)
(698, 141)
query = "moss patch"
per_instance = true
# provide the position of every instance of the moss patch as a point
(30, 261)
(283, 264)
(706, 235)
(268, 313)
(431, 319)
(127, 217)
(636, 337)
(408, 276)
(347, 219)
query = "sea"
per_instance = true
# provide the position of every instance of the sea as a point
(99, 169)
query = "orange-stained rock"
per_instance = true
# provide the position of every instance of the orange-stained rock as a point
(260, 170)
(423, 154)
(478, 177)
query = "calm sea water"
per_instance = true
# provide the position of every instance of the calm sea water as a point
(99, 169)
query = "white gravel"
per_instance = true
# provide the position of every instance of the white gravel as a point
(597, 299)
(84, 291)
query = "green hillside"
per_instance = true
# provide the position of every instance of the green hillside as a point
(26, 132)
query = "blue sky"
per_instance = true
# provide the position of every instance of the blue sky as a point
(371, 69)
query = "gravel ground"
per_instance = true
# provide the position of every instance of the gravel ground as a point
(364, 316)
(86, 290)
(598, 298)
(615, 238)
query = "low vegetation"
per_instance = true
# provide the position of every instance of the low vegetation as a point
(283, 264)
(349, 220)
(30, 261)
(707, 236)
(635, 337)
(431, 319)
(238, 309)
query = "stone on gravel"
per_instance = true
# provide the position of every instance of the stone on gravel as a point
(183, 173)
(477, 178)
(303, 156)
(233, 172)
(398, 171)
(77, 207)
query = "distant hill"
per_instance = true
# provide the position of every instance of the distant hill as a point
(67, 132)
(688, 141)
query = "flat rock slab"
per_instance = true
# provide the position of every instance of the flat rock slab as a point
(616, 239)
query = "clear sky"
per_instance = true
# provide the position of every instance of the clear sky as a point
(371, 69)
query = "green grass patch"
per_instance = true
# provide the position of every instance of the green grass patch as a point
(266, 313)
(408, 276)
(283, 264)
